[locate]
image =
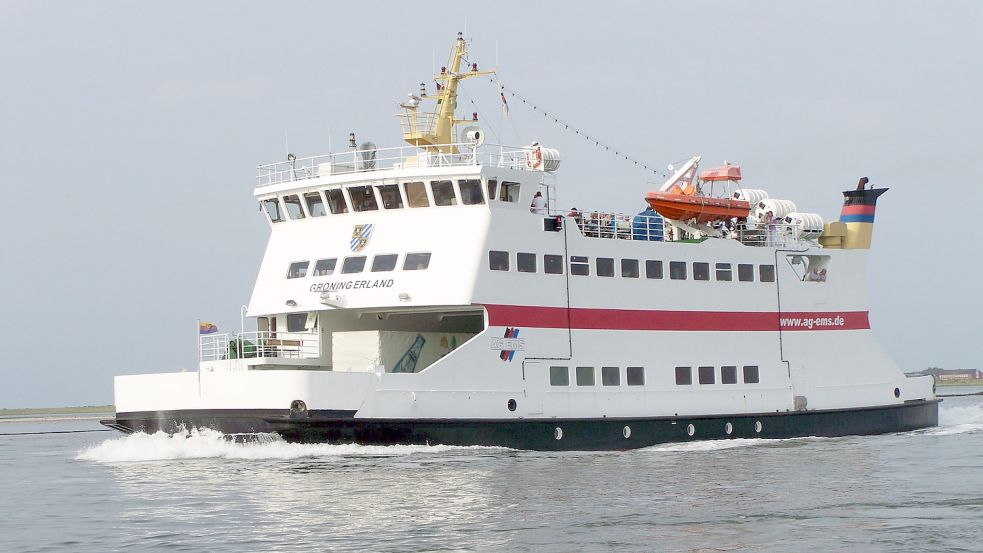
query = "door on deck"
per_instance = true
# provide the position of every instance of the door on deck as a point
(534, 380)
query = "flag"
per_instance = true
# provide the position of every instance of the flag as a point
(206, 328)
(505, 105)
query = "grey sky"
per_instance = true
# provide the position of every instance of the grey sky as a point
(131, 132)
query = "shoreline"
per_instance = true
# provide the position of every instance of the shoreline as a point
(40, 414)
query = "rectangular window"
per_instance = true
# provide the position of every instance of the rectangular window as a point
(724, 272)
(610, 376)
(292, 203)
(636, 376)
(315, 205)
(684, 376)
(525, 262)
(677, 270)
(701, 271)
(559, 376)
(728, 374)
(390, 196)
(579, 265)
(443, 192)
(706, 375)
(416, 261)
(385, 262)
(416, 194)
(362, 198)
(336, 201)
(272, 207)
(750, 374)
(629, 268)
(509, 192)
(553, 264)
(298, 269)
(766, 273)
(653, 268)
(745, 272)
(296, 322)
(492, 189)
(325, 267)
(585, 376)
(470, 191)
(605, 266)
(353, 264)
(498, 261)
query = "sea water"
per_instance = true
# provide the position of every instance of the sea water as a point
(101, 491)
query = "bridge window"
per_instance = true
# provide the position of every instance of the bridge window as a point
(706, 375)
(553, 264)
(677, 270)
(605, 266)
(470, 191)
(443, 192)
(336, 201)
(298, 269)
(701, 271)
(610, 376)
(297, 322)
(492, 189)
(684, 376)
(315, 205)
(745, 272)
(750, 374)
(354, 264)
(559, 376)
(390, 196)
(636, 376)
(766, 273)
(728, 374)
(325, 267)
(292, 203)
(362, 198)
(585, 376)
(272, 207)
(525, 262)
(416, 194)
(653, 268)
(629, 268)
(416, 261)
(509, 192)
(385, 262)
(724, 272)
(579, 265)
(498, 261)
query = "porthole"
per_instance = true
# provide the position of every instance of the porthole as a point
(897, 392)
(728, 428)
(626, 432)
(691, 430)
(512, 405)
(757, 426)
(558, 433)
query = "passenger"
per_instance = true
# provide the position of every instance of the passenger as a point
(577, 217)
(769, 221)
(538, 204)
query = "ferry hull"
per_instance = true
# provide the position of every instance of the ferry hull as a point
(550, 434)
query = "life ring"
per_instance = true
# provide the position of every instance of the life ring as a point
(534, 159)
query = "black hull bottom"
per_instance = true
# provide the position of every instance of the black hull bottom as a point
(550, 434)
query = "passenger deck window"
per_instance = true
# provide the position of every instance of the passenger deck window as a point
(559, 376)
(653, 268)
(605, 266)
(509, 192)
(579, 266)
(677, 270)
(416, 261)
(272, 207)
(585, 376)
(362, 198)
(443, 192)
(610, 376)
(492, 189)
(390, 196)
(636, 376)
(750, 374)
(298, 269)
(325, 267)
(315, 205)
(553, 264)
(724, 272)
(629, 268)
(525, 262)
(706, 375)
(766, 273)
(296, 322)
(336, 201)
(292, 203)
(728, 374)
(470, 191)
(354, 264)
(385, 262)
(701, 271)
(745, 272)
(498, 261)
(416, 194)
(684, 376)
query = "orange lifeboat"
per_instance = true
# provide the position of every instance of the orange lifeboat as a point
(683, 207)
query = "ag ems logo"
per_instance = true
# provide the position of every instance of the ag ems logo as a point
(360, 237)
(509, 344)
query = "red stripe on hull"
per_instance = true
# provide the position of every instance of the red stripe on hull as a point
(630, 319)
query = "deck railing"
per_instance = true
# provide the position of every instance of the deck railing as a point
(595, 224)
(285, 345)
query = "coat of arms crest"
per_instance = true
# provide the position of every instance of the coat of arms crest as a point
(360, 237)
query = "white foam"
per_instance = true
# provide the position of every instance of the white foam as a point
(958, 420)
(210, 444)
(711, 445)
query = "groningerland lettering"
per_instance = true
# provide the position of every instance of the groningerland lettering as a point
(351, 285)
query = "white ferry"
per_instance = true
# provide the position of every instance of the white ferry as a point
(427, 295)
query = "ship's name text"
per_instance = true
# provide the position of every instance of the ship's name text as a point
(351, 285)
